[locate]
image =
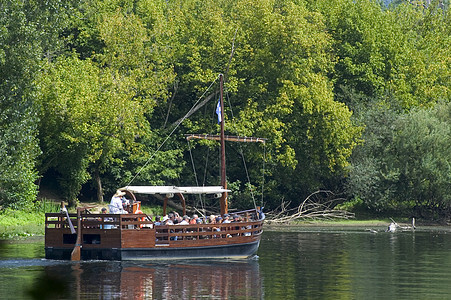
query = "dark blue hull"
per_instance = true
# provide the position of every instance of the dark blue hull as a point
(158, 253)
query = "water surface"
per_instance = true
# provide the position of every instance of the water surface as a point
(303, 263)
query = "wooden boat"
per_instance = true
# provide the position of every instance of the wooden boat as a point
(134, 236)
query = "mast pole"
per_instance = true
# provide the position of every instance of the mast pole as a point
(224, 206)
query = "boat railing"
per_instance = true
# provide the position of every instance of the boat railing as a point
(99, 221)
(164, 234)
(174, 233)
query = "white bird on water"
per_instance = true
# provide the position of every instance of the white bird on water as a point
(392, 227)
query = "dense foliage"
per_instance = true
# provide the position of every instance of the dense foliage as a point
(353, 96)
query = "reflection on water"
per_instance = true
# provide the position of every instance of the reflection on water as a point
(356, 265)
(135, 280)
(305, 264)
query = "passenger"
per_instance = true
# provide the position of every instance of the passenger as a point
(226, 219)
(177, 218)
(194, 219)
(185, 221)
(157, 220)
(199, 221)
(171, 217)
(165, 219)
(104, 211)
(116, 203)
(169, 220)
(212, 219)
(261, 215)
(236, 218)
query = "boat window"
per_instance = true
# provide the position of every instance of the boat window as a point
(69, 238)
(91, 239)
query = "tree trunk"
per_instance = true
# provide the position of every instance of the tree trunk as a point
(99, 186)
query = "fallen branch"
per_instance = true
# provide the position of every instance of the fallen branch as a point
(317, 206)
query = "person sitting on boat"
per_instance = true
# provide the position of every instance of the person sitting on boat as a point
(104, 211)
(126, 204)
(236, 218)
(116, 206)
(185, 221)
(176, 217)
(226, 219)
(212, 219)
(169, 220)
(194, 219)
(157, 221)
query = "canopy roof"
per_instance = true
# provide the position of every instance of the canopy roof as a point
(170, 189)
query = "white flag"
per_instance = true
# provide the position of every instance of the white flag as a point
(218, 111)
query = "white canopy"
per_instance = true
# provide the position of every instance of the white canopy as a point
(170, 189)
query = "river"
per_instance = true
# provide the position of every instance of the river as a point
(299, 263)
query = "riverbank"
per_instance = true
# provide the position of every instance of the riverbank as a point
(25, 224)
(21, 224)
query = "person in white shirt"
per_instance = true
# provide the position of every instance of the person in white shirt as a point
(226, 219)
(116, 203)
(185, 221)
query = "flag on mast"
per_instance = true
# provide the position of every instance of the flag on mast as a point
(218, 110)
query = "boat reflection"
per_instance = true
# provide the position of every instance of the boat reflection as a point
(174, 280)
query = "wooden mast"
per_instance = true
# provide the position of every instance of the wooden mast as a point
(223, 138)
(224, 205)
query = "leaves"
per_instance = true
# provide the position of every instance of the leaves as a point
(101, 81)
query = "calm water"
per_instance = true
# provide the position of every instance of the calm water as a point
(305, 263)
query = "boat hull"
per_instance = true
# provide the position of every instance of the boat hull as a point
(130, 237)
(233, 251)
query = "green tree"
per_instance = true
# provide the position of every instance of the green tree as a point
(404, 164)
(276, 80)
(28, 30)
(401, 51)
(371, 178)
(422, 153)
(107, 98)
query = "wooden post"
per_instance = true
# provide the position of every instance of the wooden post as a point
(224, 206)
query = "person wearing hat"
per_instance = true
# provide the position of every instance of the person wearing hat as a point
(226, 218)
(116, 203)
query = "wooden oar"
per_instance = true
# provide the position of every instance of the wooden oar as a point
(76, 253)
(72, 229)
(71, 226)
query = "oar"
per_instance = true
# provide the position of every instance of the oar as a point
(72, 229)
(71, 226)
(76, 253)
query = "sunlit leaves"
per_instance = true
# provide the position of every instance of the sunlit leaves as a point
(20, 50)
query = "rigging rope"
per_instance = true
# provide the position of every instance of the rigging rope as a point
(173, 130)
(244, 160)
